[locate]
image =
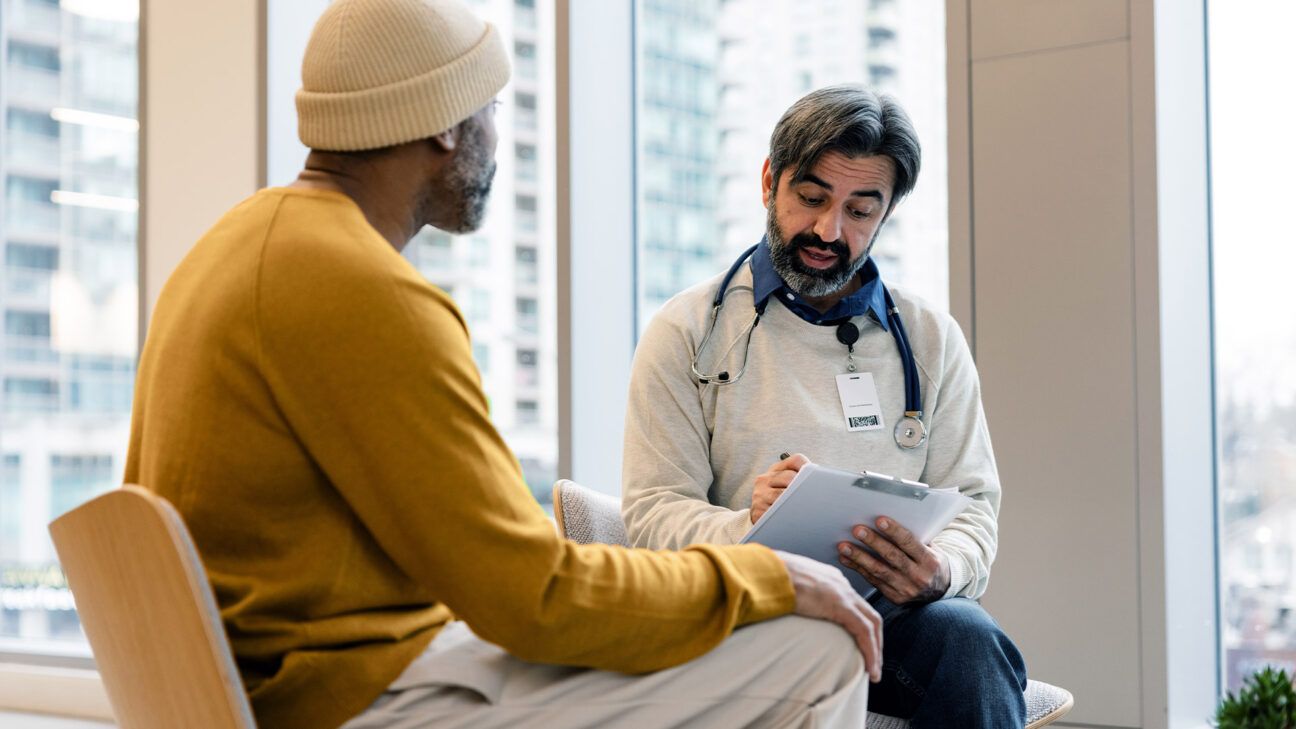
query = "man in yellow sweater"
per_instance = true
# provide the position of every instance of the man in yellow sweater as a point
(310, 405)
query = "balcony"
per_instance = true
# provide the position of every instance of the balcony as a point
(525, 66)
(35, 18)
(527, 274)
(26, 286)
(527, 221)
(34, 86)
(528, 323)
(28, 355)
(524, 19)
(35, 152)
(527, 380)
(524, 118)
(884, 13)
(27, 217)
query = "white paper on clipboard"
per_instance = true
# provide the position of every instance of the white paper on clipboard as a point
(822, 505)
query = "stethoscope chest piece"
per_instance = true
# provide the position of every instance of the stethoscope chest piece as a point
(910, 432)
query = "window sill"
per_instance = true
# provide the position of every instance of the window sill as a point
(70, 692)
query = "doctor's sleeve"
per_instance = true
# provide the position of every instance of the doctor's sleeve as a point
(960, 456)
(666, 466)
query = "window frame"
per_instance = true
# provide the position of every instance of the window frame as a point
(595, 204)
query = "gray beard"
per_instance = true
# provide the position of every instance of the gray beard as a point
(463, 191)
(800, 278)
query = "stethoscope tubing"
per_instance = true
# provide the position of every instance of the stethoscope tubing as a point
(913, 392)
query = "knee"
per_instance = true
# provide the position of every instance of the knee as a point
(964, 626)
(808, 642)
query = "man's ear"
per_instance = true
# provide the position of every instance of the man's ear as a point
(445, 141)
(767, 183)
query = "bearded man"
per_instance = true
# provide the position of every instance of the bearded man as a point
(725, 380)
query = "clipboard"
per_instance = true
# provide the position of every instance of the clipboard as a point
(822, 505)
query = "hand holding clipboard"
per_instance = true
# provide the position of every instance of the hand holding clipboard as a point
(822, 507)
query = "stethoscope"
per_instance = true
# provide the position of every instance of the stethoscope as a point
(909, 432)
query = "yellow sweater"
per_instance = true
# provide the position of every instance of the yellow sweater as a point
(310, 405)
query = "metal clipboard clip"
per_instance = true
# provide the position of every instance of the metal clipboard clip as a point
(884, 484)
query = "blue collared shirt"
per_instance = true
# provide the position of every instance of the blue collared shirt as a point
(869, 299)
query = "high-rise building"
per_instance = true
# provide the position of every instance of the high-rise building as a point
(503, 275)
(69, 292)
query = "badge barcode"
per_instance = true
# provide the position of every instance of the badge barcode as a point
(864, 422)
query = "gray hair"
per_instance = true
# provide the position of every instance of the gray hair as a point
(849, 119)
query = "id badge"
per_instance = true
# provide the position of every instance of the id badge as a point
(859, 401)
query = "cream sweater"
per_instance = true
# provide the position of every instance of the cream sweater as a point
(692, 452)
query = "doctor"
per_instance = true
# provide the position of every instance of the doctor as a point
(770, 357)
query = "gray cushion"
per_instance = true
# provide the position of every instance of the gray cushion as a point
(586, 516)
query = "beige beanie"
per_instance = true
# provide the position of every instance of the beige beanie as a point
(384, 72)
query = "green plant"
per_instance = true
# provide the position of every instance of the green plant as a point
(1266, 701)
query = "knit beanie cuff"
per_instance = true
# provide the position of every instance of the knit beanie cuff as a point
(415, 108)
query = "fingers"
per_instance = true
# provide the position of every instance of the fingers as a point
(894, 584)
(902, 538)
(885, 548)
(782, 479)
(792, 462)
(865, 626)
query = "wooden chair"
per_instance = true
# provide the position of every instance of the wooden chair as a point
(149, 613)
(587, 517)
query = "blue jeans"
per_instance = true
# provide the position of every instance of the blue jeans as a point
(948, 664)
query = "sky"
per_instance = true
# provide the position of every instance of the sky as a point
(1253, 197)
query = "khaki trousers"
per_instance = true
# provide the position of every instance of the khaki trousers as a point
(789, 672)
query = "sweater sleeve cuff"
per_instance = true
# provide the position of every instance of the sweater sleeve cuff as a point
(738, 525)
(759, 575)
(960, 574)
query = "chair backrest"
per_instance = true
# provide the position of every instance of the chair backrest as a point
(586, 516)
(146, 606)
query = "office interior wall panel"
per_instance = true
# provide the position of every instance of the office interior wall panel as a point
(1054, 324)
(201, 124)
(1002, 27)
(959, 172)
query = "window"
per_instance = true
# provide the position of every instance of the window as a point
(880, 37)
(528, 317)
(27, 323)
(528, 412)
(34, 56)
(479, 307)
(1252, 150)
(712, 82)
(524, 58)
(31, 122)
(526, 161)
(10, 505)
(67, 225)
(23, 255)
(528, 270)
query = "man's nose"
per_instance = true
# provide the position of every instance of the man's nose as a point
(828, 226)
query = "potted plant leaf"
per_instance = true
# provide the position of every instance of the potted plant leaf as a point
(1266, 701)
